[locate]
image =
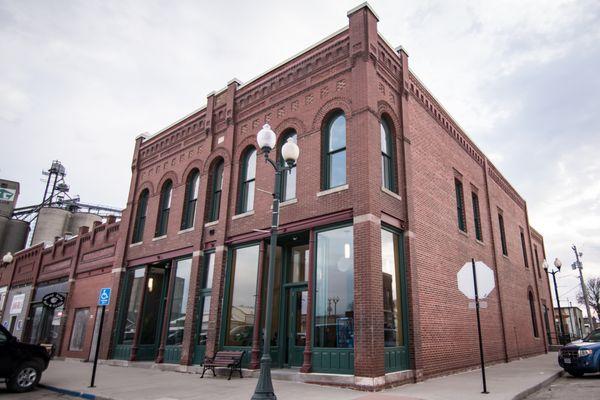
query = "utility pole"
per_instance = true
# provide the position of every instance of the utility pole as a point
(579, 265)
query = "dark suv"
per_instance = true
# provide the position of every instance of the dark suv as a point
(21, 364)
(581, 356)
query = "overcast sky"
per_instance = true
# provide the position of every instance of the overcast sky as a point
(80, 79)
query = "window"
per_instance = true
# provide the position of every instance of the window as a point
(181, 289)
(241, 312)
(334, 152)
(388, 167)
(164, 207)
(247, 181)
(216, 187)
(134, 293)
(140, 217)
(190, 200)
(82, 315)
(205, 296)
(476, 216)
(460, 205)
(533, 317)
(537, 261)
(3, 337)
(288, 178)
(502, 234)
(524, 249)
(392, 289)
(334, 302)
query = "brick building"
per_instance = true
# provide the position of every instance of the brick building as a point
(389, 199)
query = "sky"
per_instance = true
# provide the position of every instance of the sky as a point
(80, 79)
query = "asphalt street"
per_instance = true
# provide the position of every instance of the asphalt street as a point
(567, 387)
(37, 394)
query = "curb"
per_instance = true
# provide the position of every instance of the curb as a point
(541, 385)
(73, 393)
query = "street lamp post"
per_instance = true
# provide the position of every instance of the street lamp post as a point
(557, 264)
(579, 266)
(267, 140)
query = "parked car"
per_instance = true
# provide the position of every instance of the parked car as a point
(581, 356)
(21, 364)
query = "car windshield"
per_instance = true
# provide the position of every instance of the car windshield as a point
(593, 337)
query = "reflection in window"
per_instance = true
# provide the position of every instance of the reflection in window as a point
(334, 152)
(205, 309)
(190, 200)
(334, 303)
(129, 319)
(392, 289)
(181, 288)
(164, 208)
(247, 181)
(82, 315)
(204, 296)
(241, 312)
(288, 178)
(154, 293)
(276, 293)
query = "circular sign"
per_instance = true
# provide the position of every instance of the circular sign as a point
(53, 300)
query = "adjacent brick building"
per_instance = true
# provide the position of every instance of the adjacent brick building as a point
(388, 201)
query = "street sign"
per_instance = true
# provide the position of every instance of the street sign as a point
(7, 194)
(104, 297)
(485, 280)
(473, 305)
(53, 300)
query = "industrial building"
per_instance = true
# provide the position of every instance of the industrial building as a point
(388, 200)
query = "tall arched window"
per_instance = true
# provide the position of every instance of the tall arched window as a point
(334, 151)
(533, 318)
(190, 200)
(216, 186)
(140, 217)
(388, 162)
(288, 178)
(247, 180)
(164, 206)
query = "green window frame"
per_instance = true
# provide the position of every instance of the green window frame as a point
(477, 216)
(334, 151)
(388, 157)
(140, 217)
(247, 181)
(216, 188)
(190, 199)
(502, 234)
(164, 208)
(460, 205)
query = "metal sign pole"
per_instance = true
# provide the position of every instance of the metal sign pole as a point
(479, 328)
(97, 347)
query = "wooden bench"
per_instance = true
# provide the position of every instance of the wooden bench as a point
(224, 359)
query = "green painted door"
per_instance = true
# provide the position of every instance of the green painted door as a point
(296, 329)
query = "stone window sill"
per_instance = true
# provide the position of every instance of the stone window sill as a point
(390, 193)
(465, 234)
(332, 190)
(243, 215)
(136, 244)
(159, 238)
(185, 230)
(209, 224)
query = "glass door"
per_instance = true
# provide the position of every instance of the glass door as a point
(152, 314)
(296, 330)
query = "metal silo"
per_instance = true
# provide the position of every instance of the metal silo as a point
(15, 236)
(79, 219)
(51, 223)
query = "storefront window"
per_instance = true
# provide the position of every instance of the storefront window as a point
(82, 315)
(129, 320)
(334, 302)
(181, 288)
(204, 296)
(241, 313)
(205, 307)
(392, 289)
(298, 264)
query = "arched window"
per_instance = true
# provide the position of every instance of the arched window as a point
(247, 180)
(533, 318)
(288, 178)
(334, 151)
(164, 206)
(190, 200)
(388, 159)
(216, 186)
(140, 217)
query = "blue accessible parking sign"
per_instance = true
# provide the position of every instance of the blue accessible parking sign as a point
(104, 298)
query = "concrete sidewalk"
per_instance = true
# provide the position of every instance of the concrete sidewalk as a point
(505, 381)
